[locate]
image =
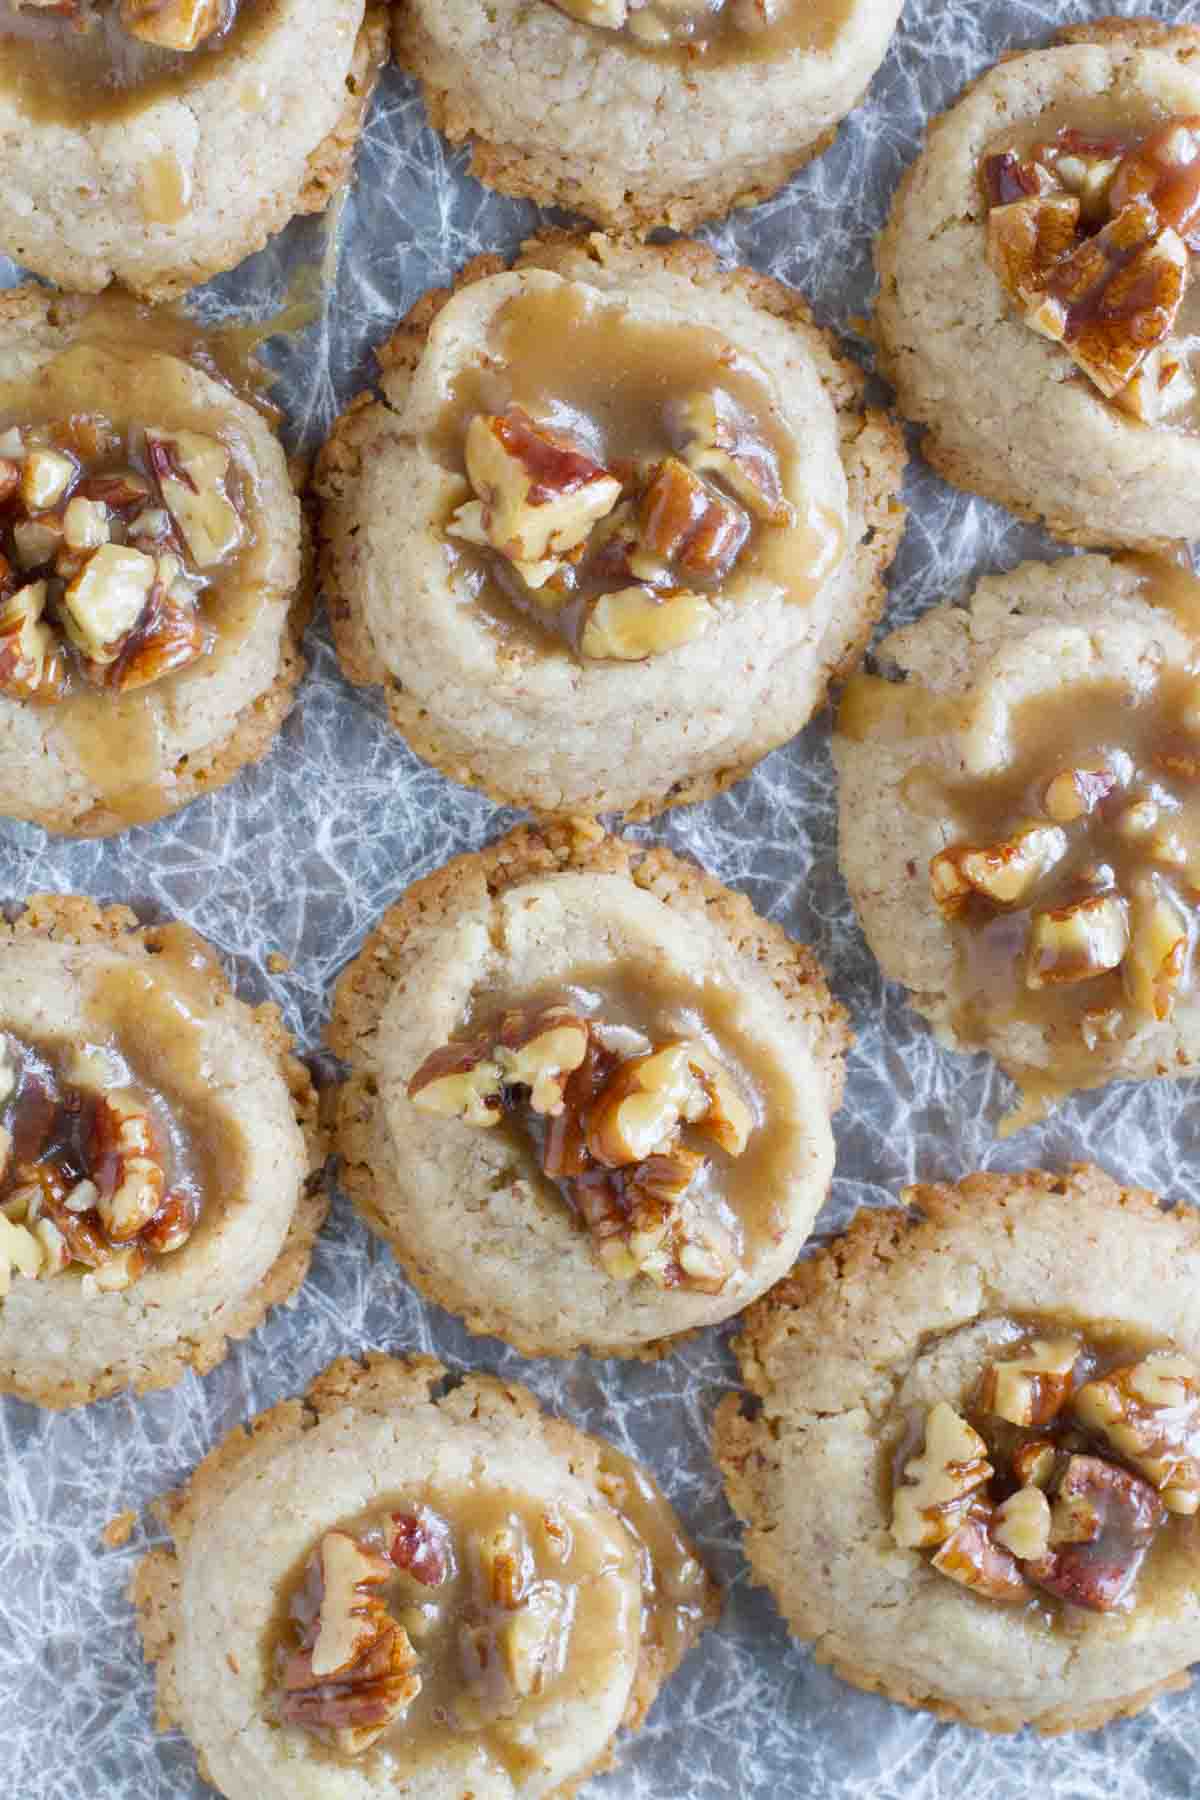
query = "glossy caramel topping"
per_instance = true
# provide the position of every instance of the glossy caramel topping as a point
(620, 477)
(472, 1612)
(1094, 227)
(100, 62)
(715, 33)
(1067, 1477)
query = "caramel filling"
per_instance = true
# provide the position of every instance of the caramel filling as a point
(643, 1104)
(109, 1146)
(620, 478)
(715, 33)
(1094, 230)
(1070, 1471)
(97, 62)
(468, 1613)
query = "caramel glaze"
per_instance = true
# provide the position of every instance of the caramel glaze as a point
(742, 1192)
(584, 366)
(60, 75)
(714, 39)
(117, 367)
(583, 1560)
(1170, 1571)
(1143, 733)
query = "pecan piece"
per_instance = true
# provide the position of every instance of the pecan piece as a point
(683, 521)
(1032, 1387)
(171, 24)
(1075, 943)
(541, 493)
(459, 1081)
(1150, 1414)
(541, 1051)
(975, 1560)
(943, 1483)
(421, 1546)
(31, 663)
(1103, 1522)
(637, 622)
(1165, 170)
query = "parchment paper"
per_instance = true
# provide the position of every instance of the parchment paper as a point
(303, 854)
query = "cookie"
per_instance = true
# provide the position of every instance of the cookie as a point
(159, 143)
(1039, 286)
(642, 114)
(151, 601)
(592, 489)
(967, 1466)
(590, 1092)
(157, 1139)
(451, 1591)
(1019, 821)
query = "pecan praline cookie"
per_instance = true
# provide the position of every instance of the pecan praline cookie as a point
(158, 142)
(614, 523)
(639, 113)
(151, 599)
(452, 1593)
(968, 1470)
(590, 1092)
(1040, 285)
(1019, 819)
(158, 1156)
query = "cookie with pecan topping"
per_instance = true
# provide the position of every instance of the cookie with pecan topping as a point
(1019, 807)
(969, 1470)
(1040, 285)
(446, 1580)
(159, 1156)
(594, 485)
(590, 1092)
(151, 599)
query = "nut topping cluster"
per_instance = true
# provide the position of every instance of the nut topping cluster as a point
(1103, 880)
(382, 1615)
(1092, 236)
(608, 1127)
(165, 24)
(659, 23)
(83, 1173)
(624, 560)
(1062, 1483)
(108, 542)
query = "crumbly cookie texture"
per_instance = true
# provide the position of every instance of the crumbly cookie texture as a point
(561, 113)
(58, 1351)
(492, 1263)
(214, 724)
(583, 772)
(826, 1355)
(251, 141)
(1027, 635)
(1004, 411)
(353, 1404)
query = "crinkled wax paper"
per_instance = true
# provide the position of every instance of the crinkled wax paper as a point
(302, 855)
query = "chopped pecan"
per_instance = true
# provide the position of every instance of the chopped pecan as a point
(171, 24)
(541, 493)
(1165, 170)
(540, 1051)
(168, 636)
(1002, 873)
(1021, 1524)
(637, 622)
(942, 1483)
(972, 1557)
(649, 1097)
(193, 473)
(717, 439)
(1102, 1524)
(1150, 1414)
(31, 663)
(1116, 296)
(1032, 1387)
(421, 1546)
(105, 601)
(1074, 943)
(684, 522)
(459, 1081)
